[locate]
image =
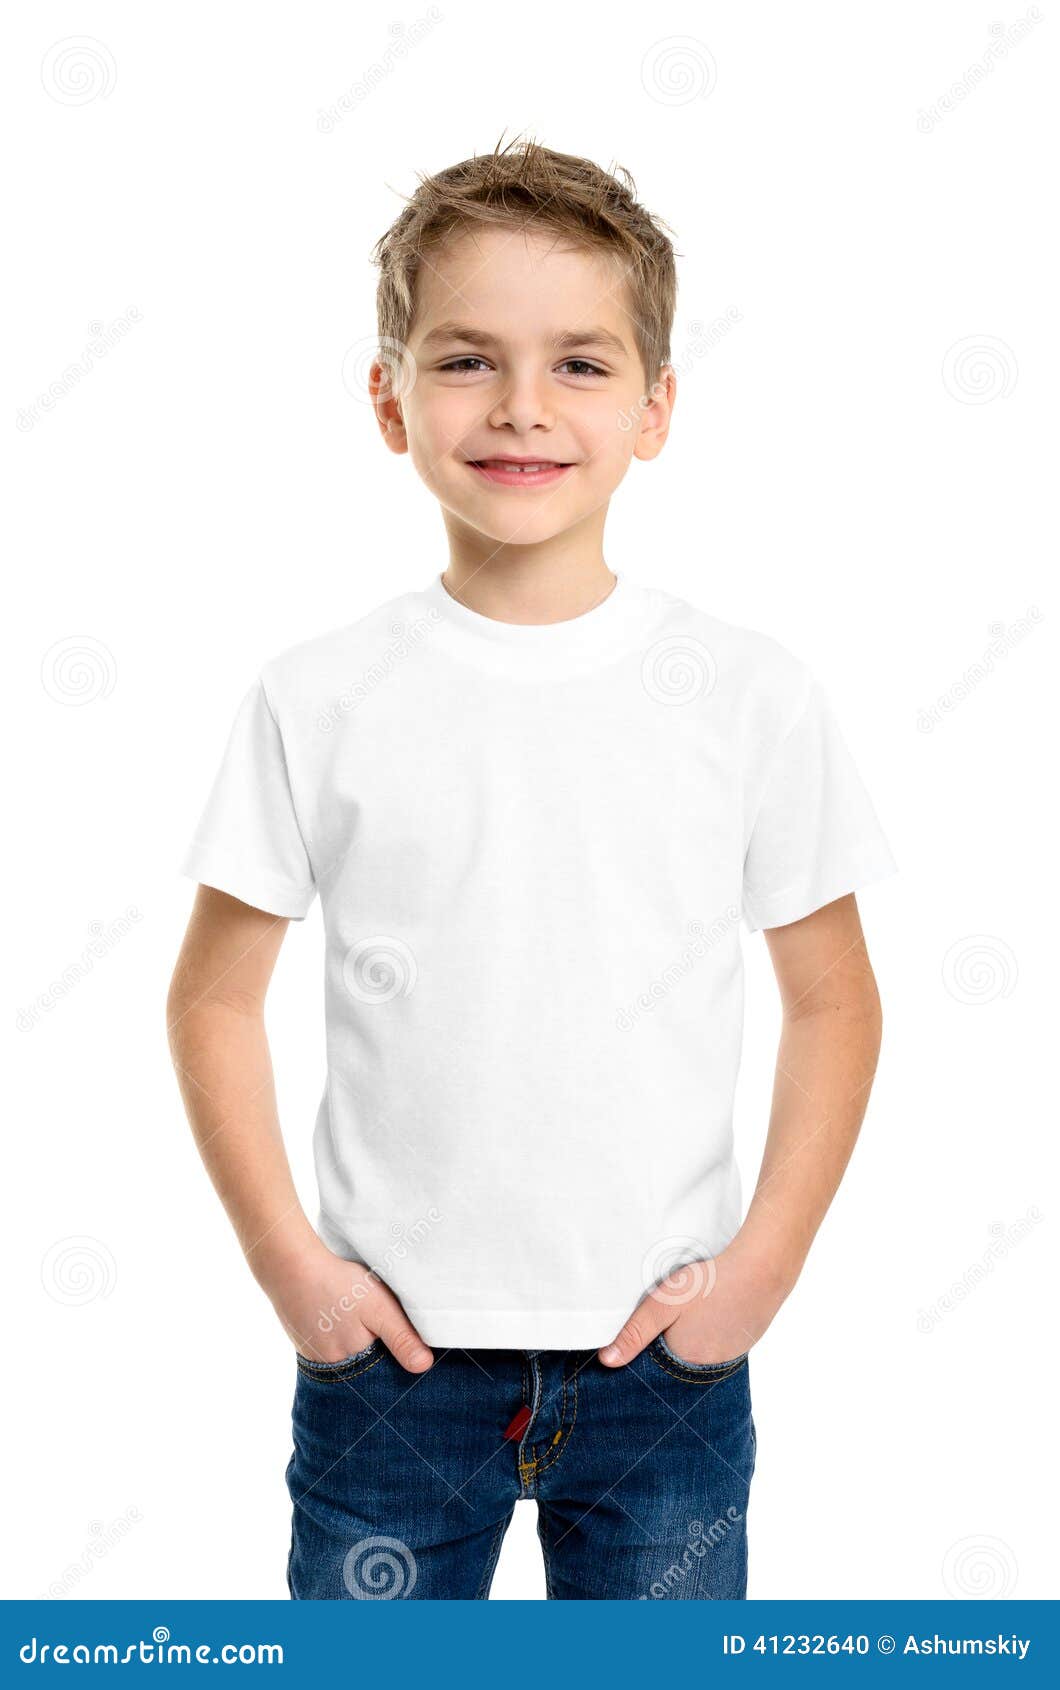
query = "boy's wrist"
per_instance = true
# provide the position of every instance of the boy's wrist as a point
(771, 1265)
(285, 1245)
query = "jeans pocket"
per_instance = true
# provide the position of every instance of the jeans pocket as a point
(339, 1369)
(707, 1372)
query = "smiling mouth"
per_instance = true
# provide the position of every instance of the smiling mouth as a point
(520, 466)
(519, 473)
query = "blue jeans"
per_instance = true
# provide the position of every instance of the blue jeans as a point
(403, 1485)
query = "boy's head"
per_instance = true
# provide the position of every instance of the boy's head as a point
(525, 304)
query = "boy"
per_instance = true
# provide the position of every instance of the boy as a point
(535, 800)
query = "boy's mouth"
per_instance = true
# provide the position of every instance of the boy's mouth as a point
(520, 472)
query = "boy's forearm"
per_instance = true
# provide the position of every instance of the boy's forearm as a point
(224, 1069)
(825, 1066)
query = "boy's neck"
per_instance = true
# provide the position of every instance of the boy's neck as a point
(528, 584)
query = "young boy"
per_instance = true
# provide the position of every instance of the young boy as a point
(536, 801)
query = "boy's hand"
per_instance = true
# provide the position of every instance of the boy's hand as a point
(711, 1311)
(331, 1308)
(715, 1309)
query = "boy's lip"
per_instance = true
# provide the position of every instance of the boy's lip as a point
(506, 470)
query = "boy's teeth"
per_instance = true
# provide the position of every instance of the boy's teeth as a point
(520, 469)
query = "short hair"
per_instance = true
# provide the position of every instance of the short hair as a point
(527, 184)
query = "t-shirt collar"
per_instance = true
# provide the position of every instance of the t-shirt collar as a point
(588, 632)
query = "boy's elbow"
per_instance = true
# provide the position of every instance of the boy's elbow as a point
(876, 1021)
(870, 1002)
(193, 1010)
(865, 1017)
(178, 1006)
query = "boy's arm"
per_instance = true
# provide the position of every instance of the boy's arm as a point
(331, 1308)
(829, 1046)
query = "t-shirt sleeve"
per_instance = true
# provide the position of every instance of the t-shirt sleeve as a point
(815, 835)
(248, 841)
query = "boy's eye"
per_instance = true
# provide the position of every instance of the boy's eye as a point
(585, 367)
(460, 363)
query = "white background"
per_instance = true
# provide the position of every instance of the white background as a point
(840, 475)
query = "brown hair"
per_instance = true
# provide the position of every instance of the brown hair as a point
(524, 183)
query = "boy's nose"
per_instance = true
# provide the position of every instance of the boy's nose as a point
(522, 407)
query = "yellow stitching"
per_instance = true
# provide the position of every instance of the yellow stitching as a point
(526, 1468)
(341, 1372)
(562, 1416)
(696, 1379)
(659, 1345)
(574, 1417)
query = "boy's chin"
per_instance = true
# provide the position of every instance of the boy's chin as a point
(521, 529)
(521, 534)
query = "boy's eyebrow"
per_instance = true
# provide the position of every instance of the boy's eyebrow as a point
(594, 336)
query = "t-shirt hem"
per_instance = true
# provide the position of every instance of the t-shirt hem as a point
(246, 883)
(518, 1329)
(802, 899)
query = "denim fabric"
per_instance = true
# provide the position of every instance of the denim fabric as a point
(403, 1485)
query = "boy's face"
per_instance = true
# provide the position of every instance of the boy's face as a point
(523, 350)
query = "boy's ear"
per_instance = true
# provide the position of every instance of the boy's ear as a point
(387, 408)
(655, 417)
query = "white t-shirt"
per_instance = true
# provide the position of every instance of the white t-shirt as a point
(533, 847)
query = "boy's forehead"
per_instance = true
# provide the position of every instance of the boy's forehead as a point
(504, 280)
